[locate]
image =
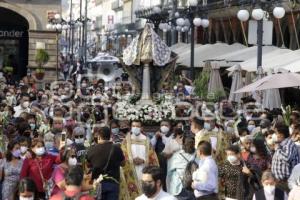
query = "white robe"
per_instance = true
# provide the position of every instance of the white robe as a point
(138, 150)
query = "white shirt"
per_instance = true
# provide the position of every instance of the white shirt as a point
(160, 196)
(198, 137)
(19, 110)
(164, 138)
(271, 196)
(206, 177)
(172, 146)
(138, 150)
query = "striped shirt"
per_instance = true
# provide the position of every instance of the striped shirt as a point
(284, 159)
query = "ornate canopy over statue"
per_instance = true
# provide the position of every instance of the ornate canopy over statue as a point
(148, 58)
(147, 47)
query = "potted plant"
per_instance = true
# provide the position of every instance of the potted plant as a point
(8, 68)
(41, 58)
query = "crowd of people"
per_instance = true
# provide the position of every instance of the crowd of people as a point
(62, 141)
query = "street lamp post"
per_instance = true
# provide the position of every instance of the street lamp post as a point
(259, 15)
(57, 24)
(154, 15)
(191, 21)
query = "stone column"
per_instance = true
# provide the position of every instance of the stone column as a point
(146, 91)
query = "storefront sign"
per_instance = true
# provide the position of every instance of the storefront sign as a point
(11, 34)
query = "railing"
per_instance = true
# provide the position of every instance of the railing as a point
(115, 5)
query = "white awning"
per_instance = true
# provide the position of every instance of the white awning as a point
(233, 58)
(180, 48)
(292, 67)
(207, 53)
(270, 60)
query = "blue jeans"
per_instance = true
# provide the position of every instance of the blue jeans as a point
(110, 191)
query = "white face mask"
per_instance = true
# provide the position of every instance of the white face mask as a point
(72, 161)
(270, 141)
(229, 129)
(164, 129)
(25, 104)
(253, 149)
(40, 151)
(26, 198)
(79, 141)
(136, 130)
(23, 149)
(274, 137)
(291, 130)
(232, 159)
(269, 188)
(251, 128)
(264, 130)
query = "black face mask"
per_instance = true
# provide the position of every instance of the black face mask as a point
(148, 189)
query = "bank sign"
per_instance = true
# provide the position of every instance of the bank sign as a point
(13, 34)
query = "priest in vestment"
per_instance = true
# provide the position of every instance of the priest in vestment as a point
(138, 154)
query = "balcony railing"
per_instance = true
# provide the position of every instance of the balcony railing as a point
(116, 5)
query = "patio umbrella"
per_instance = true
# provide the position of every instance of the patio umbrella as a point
(271, 99)
(215, 82)
(281, 80)
(237, 83)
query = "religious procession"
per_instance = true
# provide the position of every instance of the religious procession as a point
(190, 103)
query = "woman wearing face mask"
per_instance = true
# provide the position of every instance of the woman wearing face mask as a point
(39, 167)
(258, 161)
(270, 142)
(231, 173)
(10, 170)
(117, 135)
(251, 126)
(27, 189)
(68, 159)
(49, 140)
(259, 158)
(24, 144)
(269, 191)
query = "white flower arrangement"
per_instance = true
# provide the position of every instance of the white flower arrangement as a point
(146, 113)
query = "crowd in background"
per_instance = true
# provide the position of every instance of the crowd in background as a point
(63, 141)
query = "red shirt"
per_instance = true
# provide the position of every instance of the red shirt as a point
(30, 169)
(71, 193)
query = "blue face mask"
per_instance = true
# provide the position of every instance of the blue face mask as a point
(207, 126)
(115, 131)
(251, 127)
(32, 126)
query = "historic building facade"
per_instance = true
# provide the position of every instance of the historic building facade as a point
(22, 26)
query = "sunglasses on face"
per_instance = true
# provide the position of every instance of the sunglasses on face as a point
(78, 136)
(72, 156)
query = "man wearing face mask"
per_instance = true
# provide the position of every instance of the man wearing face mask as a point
(210, 124)
(23, 106)
(197, 128)
(158, 142)
(117, 136)
(138, 153)
(152, 185)
(269, 191)
(49, 140)
(286, 156)
(205, 178)
(79, 138)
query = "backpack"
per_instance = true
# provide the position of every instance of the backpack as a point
(188, 174)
